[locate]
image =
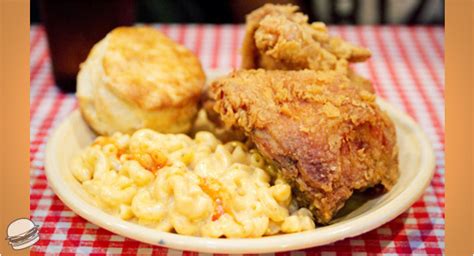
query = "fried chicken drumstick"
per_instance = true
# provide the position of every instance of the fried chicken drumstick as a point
(279, 37)
(325, 137)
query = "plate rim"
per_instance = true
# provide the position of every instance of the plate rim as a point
(285, 242)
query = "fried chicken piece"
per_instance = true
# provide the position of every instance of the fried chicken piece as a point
(279, 37)
(326, 138)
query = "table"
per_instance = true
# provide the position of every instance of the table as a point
(407, 69)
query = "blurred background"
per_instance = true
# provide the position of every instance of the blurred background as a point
(410, 12)
(73, 26)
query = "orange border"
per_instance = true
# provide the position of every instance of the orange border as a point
(459, 127)
(14, 124)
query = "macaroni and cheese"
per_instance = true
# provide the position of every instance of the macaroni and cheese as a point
(198, 187)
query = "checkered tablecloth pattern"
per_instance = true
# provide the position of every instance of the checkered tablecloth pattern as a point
(407, 69)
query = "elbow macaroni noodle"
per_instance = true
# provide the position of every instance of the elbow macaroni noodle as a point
(197, 187)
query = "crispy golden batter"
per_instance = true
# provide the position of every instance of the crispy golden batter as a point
(279, 37)
(327, 138)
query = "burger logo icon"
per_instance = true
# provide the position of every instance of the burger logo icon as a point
(22, 233)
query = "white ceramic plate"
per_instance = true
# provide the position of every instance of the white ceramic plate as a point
(416, 159)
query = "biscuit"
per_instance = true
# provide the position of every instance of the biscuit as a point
(135, 78)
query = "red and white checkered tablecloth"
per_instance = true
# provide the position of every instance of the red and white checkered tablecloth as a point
(407, 69)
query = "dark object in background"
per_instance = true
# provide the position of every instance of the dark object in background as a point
(411, 12)
(184, 11)
(74, 26)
